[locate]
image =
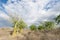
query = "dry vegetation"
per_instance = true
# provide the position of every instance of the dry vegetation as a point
(30, 35)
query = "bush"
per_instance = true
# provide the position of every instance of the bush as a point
(33, 27)
(48, 25)
(40, 27)
(21, 24)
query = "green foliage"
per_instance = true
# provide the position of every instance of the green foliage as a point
(33, 27)
(47, 25)
(57, 19)
(40, 27)
(18, 22)
(18, 27)
(21, 24)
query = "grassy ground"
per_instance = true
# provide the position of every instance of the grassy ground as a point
(30, 35)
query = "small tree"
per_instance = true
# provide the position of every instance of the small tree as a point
(19, 26)
(33, 27)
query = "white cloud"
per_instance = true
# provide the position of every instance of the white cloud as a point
(29, 10)
(4, 16)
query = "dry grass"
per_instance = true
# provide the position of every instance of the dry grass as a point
(30, 35)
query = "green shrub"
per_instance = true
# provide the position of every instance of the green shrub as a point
(33, 27)
(40, 27)
(48, 25)
(21, 24)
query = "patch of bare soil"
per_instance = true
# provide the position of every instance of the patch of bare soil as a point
(30, 35)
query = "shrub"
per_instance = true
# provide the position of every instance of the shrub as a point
(48, 25)
(33, 27)
(21, 24)
(40, 27)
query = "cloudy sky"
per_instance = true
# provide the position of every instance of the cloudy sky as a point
(31, 11)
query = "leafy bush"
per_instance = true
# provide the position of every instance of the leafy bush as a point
(33, 27)
(47, 25)
(40, 27)
(21, 24)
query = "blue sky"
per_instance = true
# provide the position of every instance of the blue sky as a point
(31, 11)
(3, 1)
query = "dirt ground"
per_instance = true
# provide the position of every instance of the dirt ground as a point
(30, 35)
